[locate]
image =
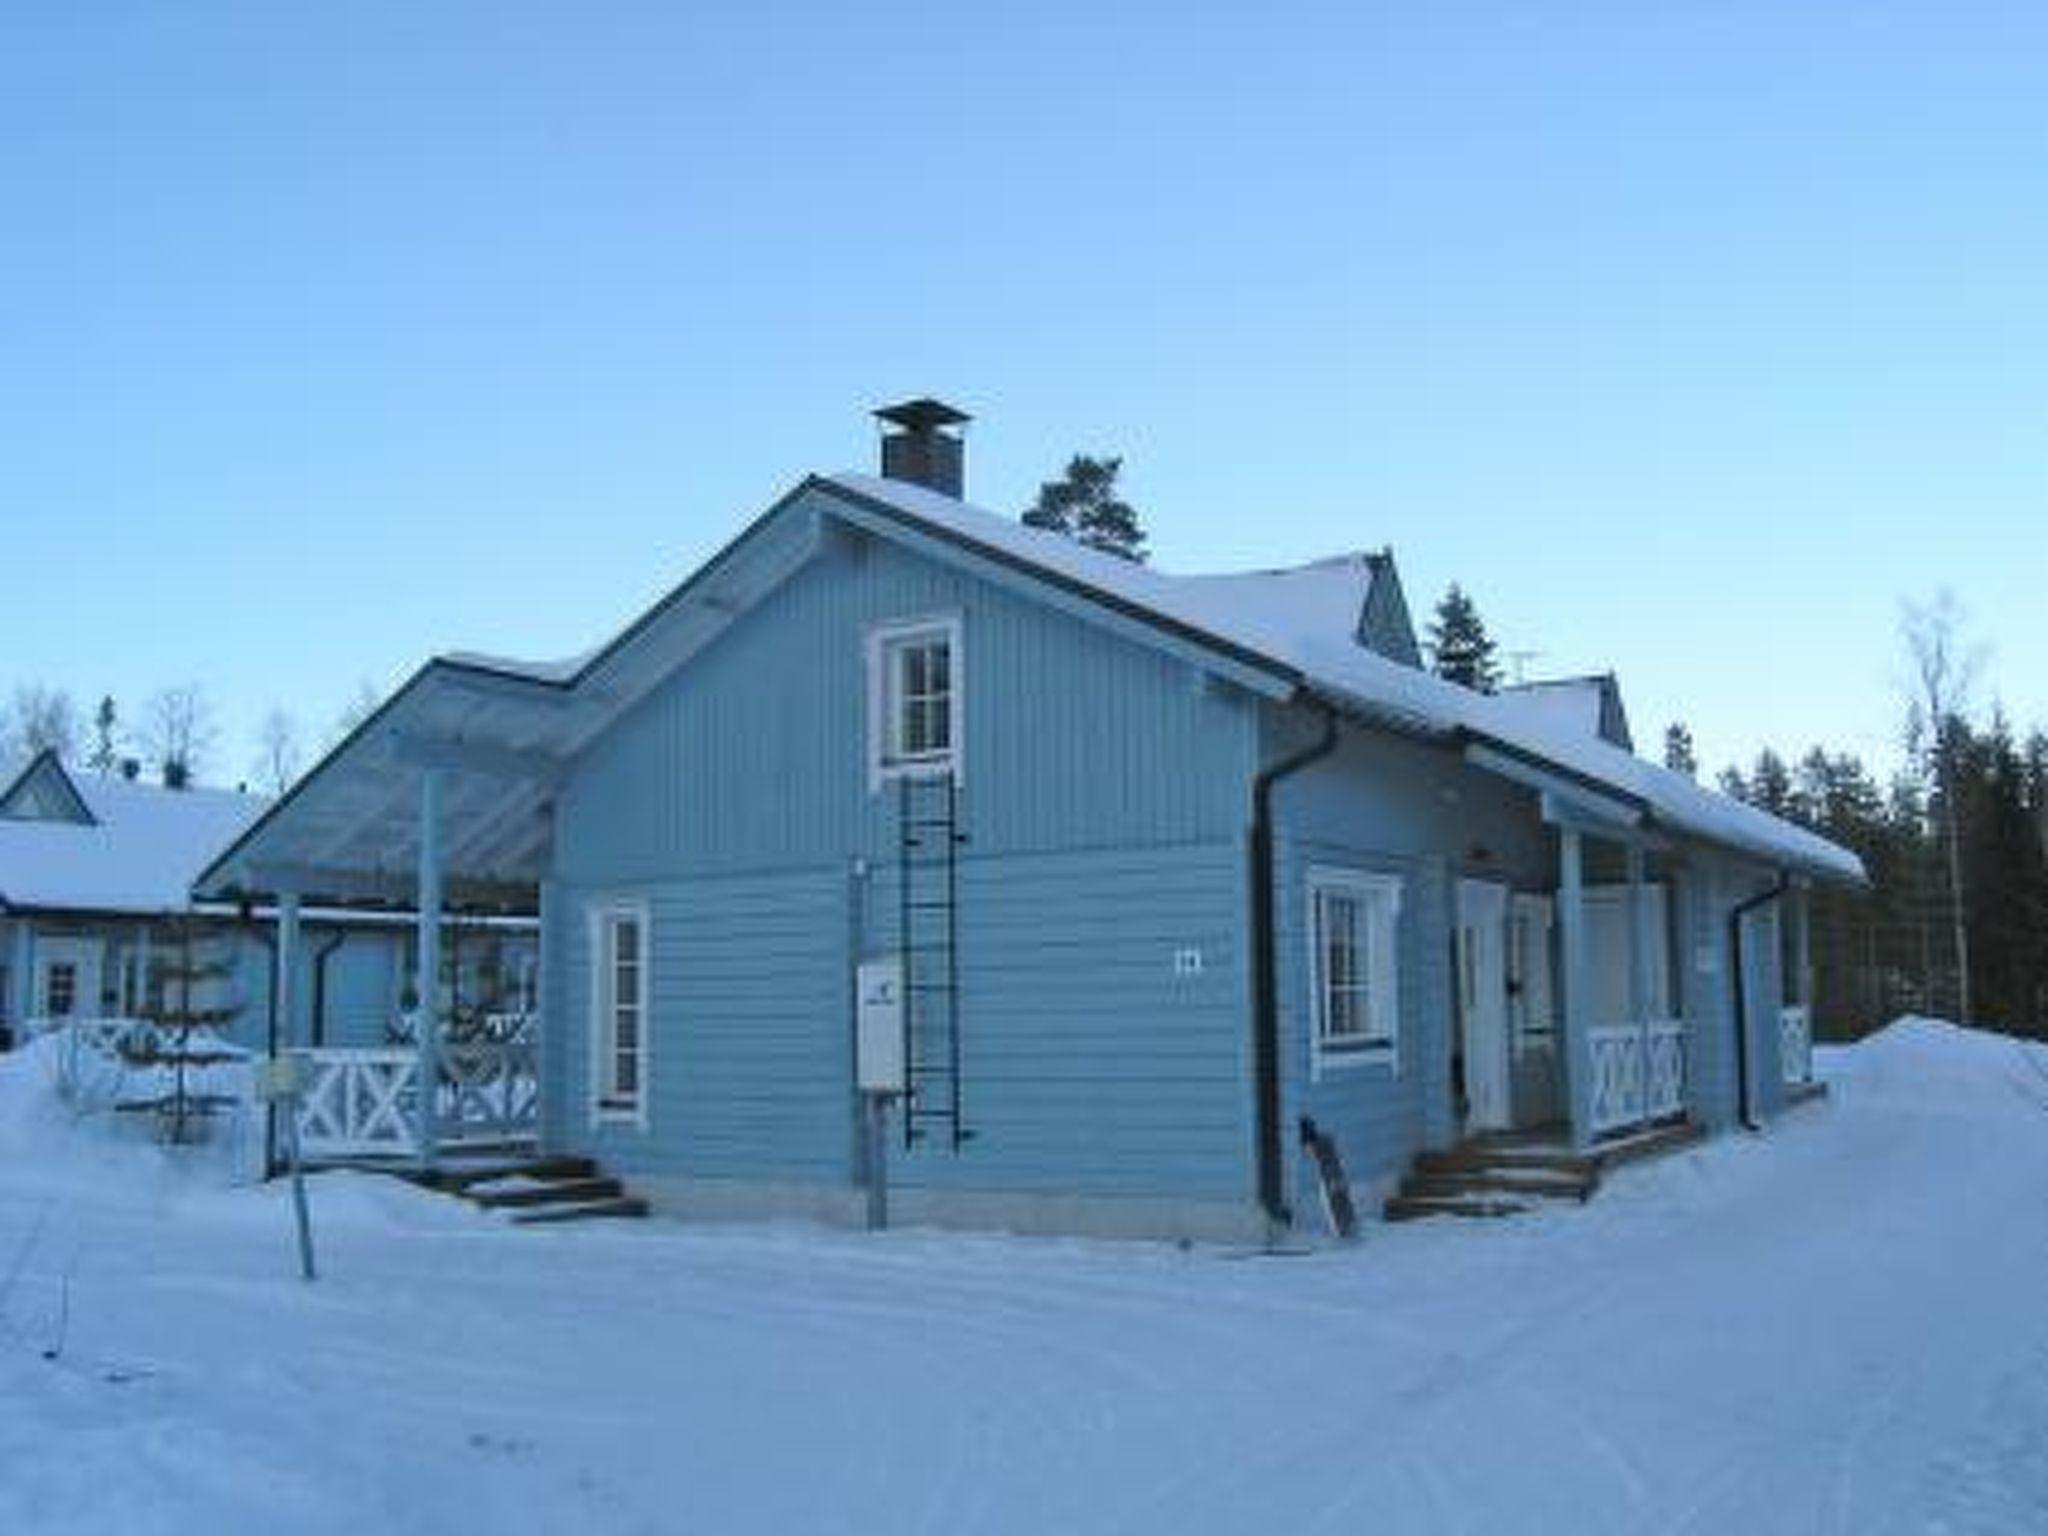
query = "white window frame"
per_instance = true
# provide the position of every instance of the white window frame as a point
(1379, 897)
(884, 642)
(609, 1108)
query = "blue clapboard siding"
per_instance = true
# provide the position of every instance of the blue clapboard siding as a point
(1716, 885)
(1090, 1066)
(1104, 797)
(1387, 804)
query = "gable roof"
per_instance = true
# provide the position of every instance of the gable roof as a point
(1298, 640)
(137, 848)
(502, 731)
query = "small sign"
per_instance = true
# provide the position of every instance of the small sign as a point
(280, 1078)
(1187, 962)
(878, 1020)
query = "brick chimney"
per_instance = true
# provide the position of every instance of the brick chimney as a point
(918, 448)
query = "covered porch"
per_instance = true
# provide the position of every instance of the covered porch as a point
(440, 808)
(1681, 973)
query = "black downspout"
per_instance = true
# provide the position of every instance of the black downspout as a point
(1745, 1111)
(319, 1019)
(1265, 982)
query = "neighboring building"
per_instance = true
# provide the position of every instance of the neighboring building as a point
(97, 919)
(1177, 863)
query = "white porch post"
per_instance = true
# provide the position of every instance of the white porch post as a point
(1802, 937)
(21, 977)
(1639, 976)
(1578, 1045)
(142, 960)
(284, 1000)
(427, 983)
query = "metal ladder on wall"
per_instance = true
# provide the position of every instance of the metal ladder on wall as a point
(928, 841)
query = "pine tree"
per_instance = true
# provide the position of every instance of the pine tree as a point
(1463, 651)
(105, 756)
(1679, 755)
(193, 979)
(1770, 784)
(1083, 505)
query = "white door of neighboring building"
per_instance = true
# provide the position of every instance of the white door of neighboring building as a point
(67, 979)
(1483, 1003)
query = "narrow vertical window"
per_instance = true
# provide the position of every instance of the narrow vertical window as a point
(619, 1044)
(1353, 993)
(60, 989)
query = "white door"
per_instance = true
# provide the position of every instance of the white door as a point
(1483, 1002)
(67, 979)
(1531, 1011)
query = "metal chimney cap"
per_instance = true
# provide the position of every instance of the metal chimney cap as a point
(922, 415)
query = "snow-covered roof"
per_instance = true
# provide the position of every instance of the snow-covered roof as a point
(503, 730)
(1295, 622)
(140, 853)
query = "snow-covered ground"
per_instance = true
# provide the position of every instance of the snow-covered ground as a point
(1841, 1325)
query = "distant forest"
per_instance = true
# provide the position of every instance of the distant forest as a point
(1895, 948)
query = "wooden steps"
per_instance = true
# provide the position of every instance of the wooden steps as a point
(1503, 1174)
(534, 1190)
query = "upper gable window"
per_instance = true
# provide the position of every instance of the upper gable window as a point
(914, 698)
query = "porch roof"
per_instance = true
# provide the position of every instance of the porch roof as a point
(500, 734)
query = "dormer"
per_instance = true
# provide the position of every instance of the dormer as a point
(1383, 622)
(44, 791)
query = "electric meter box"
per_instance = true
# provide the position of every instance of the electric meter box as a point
(878, 1031)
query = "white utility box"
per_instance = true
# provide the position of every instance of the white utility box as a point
(878, 1032)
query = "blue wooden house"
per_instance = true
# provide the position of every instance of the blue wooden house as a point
(1163, 885)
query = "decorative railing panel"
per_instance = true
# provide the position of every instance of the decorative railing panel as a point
(366, 1103)
(1638, 1073)
(1795, 1045)
(360, 1103)
(490, 1091)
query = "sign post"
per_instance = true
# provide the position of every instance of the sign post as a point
(280, 1081)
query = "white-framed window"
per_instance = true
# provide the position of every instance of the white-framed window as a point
(1354, 984)
(60, 990)
(1531, 991)
(619, 1014)
(914, 698)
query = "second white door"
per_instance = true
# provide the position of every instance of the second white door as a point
(1483, 1003)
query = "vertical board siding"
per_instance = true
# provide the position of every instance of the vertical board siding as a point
(755, 754)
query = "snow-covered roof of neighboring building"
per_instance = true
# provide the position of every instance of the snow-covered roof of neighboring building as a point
(1591, 705)
(140, 852)
(1294, 621)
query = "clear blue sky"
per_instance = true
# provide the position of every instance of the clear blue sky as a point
(1690, 343)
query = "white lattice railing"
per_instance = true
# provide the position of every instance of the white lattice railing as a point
(1638, 1073)
(360, 1103)
(365, 1103)
(490, 1091)
(1795, 1045)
